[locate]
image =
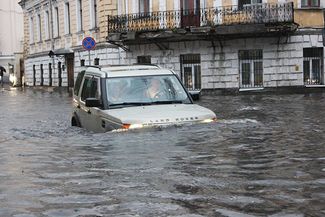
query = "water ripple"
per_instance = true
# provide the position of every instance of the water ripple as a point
(264, 157)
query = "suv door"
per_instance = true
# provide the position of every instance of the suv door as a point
(90, 116)
(76, 97)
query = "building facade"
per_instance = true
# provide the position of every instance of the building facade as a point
(211, 44)
(54, 30)
(11, 38)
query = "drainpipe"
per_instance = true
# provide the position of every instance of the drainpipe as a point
(52, 38)
(323, 45)
(324, 27)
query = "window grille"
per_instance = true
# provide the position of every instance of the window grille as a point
(251, 68)
(191, 71)
(313, 66)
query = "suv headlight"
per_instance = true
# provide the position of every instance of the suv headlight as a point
(209, 120)
(132, 126)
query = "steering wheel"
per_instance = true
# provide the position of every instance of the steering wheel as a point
(159, 94)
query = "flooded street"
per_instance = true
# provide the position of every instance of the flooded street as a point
(264, 157)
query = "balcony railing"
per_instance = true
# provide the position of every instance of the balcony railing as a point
(206, 17)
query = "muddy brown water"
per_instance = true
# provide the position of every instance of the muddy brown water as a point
(264, 157)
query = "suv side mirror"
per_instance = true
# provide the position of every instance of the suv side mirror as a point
(93, 102)
(195, 94)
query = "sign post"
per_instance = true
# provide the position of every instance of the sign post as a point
(89, 44)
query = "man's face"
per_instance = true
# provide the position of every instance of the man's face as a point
(155, 84)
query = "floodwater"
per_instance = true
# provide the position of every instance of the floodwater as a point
(264, 157)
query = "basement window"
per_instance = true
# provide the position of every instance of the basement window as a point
(144, 59)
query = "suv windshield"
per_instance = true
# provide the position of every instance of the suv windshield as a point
(145, 90)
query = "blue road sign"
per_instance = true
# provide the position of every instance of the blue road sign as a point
(89, 43)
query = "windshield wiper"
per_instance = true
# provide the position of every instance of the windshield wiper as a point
(168, 102)
(126, 104)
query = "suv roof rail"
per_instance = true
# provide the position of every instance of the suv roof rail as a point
(146, 64)
(98, 67)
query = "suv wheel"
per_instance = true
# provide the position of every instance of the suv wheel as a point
(75, 122)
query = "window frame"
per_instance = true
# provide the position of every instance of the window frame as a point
(94, 14)
(243, 3)
(309, 4)
(193, 62)
(57, 22)
(310, 55)
(90, 77)
(251, 57)
(47, 24)
(31, 30)
(39, 27)
(79, 15)
(78, 83)
(144, 6)
(145, 59)
(67, 21)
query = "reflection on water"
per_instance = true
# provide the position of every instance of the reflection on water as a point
(265, 157)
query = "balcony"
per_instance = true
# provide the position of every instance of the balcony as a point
(208, 23)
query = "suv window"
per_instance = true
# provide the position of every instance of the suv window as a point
(90, 89)
(78, 82)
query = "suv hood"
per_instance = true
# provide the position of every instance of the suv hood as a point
(161, 114)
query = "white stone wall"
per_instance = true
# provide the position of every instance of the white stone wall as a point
(282, 60)
(45, 60)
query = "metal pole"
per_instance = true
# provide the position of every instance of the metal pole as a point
(89, 57)
(52, 38)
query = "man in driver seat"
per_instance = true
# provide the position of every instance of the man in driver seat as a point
(155, 90)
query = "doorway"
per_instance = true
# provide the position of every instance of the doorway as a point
(42, 76)
(34, 75)
(70, 69)
(59, 74)
(50, 74)
(190, 13)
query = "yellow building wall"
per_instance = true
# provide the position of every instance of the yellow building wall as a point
(130, 6)
(309, 18)
(209, 3)
(226, 3)
(272, 1)
(170, 5)
(105, 8)
(306, 18)
(155, 6)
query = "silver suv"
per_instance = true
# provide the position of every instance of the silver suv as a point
(132, 97)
